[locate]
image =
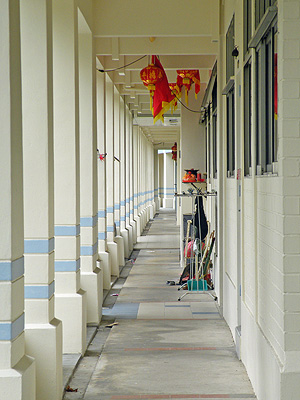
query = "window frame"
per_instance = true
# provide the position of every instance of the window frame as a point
(230, 127)
(248, 118)
(266, 131)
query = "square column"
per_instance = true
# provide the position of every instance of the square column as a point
(117, 184)
(70, 299)
(123, 231)
(128, 131)
(37, 92)
(104, 256)
(156, 185)
(109, 132)
(17, 371)
(90, 274)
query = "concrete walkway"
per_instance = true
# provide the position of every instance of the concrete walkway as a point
(159, 348)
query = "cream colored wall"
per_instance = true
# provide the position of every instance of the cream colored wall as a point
(144, 19)
(270, 223)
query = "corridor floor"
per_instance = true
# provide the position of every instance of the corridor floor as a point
(149, 345)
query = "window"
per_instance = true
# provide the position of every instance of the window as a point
(229, 92)
(261, 7)
(230, 133)
(214, 129)
(266, 124)
(247, 119)
(247, 24)
(229, 49)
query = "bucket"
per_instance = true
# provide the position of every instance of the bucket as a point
(194, 285)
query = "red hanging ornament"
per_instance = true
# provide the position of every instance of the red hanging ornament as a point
(186, 77)
(150, 76)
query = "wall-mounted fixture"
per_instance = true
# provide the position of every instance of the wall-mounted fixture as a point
(235, 52)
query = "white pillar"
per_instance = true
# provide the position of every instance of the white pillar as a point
(90, 274)
(128, 168)
(109, 132)
(123, 230)
(70, 299)
(37, 92)
(160, 178)
(118, 238)
(131, 212)
(156, 184)
(168, 200)
(104, 256)
(135, 151)
(17, 371)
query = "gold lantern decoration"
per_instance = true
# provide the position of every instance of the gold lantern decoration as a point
(150, 76)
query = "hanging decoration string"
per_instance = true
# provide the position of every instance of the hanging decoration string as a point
(194, 111)
(123, 66)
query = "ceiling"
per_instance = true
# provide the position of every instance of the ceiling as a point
(190, 46)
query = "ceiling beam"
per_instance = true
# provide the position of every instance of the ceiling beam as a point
(154, 18)
(161, 45)
(173, 62)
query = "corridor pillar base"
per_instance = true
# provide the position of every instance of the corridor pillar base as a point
(134, 231)
(49, 385)
(130, 238)
(139, 225)
(18, 383)
(152, 211)
(91, 283)
(105, 260)
(121, 254)
(124, 234)
(71, 309)
(113, 251)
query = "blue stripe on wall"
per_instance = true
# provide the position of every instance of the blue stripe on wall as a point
(122, 218)
(39, 291)
(67, 265)
(117, 223)
(11, 270)
(117, 206)
(11, 330)
(38, 246)
(110, 210)
(101, 235)
(122, 202)
(102, 214)
(89, 250)
(110, 228)
(67, 230)
(88, 221)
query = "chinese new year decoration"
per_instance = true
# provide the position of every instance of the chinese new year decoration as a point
(150, 76)
(186, 77)
(177, 93)
(161, 97)
(174, 152)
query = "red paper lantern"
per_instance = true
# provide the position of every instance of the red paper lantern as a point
(150, 76)
(186, 77)
(174, 152)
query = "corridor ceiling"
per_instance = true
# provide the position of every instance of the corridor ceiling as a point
(183, 35)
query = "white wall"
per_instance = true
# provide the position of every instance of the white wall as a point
(270, 221)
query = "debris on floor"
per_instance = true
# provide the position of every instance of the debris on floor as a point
(111, 325)
(69, 389)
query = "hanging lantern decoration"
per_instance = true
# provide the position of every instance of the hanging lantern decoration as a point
(177, 93)
(186, 77)
(150, 76)
(174, 152)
